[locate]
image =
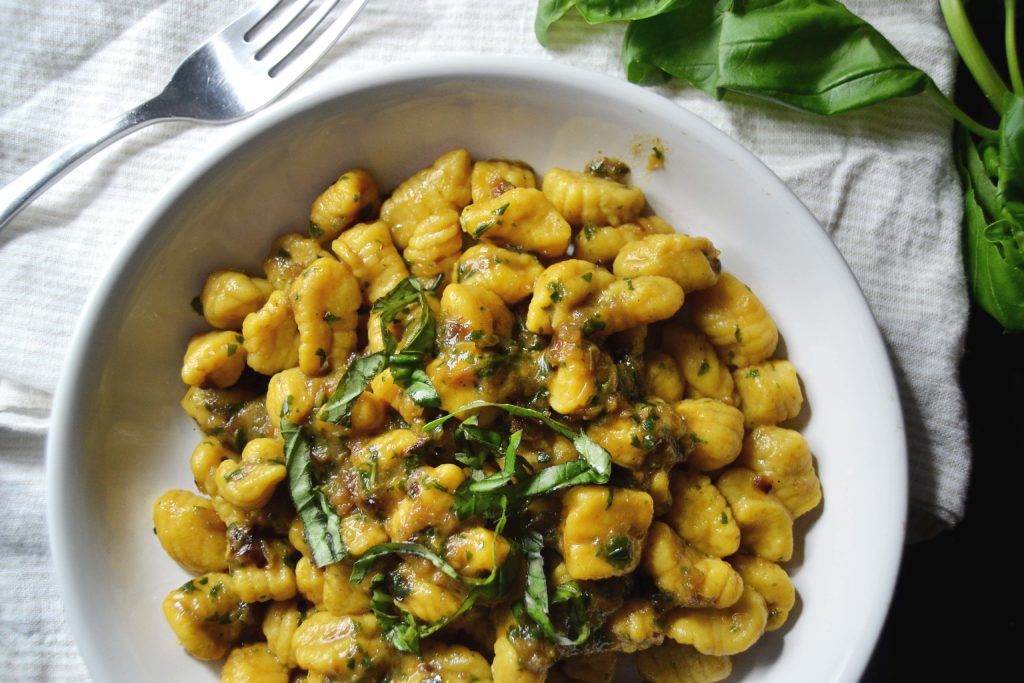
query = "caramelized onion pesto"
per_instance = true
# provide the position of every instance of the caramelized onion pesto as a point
(497, 426)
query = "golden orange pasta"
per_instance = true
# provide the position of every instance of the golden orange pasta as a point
(472, 433)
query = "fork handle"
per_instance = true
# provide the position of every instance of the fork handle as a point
(16, 195)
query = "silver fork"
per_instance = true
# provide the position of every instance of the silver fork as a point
(234, 74)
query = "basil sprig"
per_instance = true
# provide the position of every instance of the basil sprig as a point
(321, 524)
(820, 57)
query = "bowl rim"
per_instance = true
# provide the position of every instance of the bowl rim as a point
(61, 444)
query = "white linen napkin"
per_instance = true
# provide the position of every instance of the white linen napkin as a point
(881, 182)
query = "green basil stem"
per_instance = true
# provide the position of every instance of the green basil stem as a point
(959, 114)
(973, 54)
(1012, 60)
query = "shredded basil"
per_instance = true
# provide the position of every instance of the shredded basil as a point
(322, 526)
(595, 455)
(363, 564)
(338, 408)
(536, 598)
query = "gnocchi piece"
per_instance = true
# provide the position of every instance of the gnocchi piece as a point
(325, 301)
(521, 655)
(783, 458)
(271, 336)
(705, 373)
(276, 581)
(599, 304)
(228, 296)
(205, 616)
(523, 218)
(720, 632)
(495, 177)
(360, 532)
(190, 531)
(769, 392)
(289, 255)
(573, 386)
(435, 246)
(230, 416)
(426, 592)
(689, 577)
(701, 515)
(383, 464)
(691, 261)
(475, 313)
(603, 530)
(205, 459)
(602, 244)
(590, 668)
(584, 198)
(384, 388)
(253, 663)
(675, 663)
(445, 185)
(561, 288)
(213, 359)
(735, 320)
(476, 551)
(715, 432)
(250, 483)
(279, 625)
(296, 536)
(370, 254)
(507, 273)
(428, 503)
(772, 582)
(330, 589)
(766, 527)
(347, 648)
(633, 432)
(352, 196)
(634, 626)
(295, 390)
(448, 663)
(661, 376)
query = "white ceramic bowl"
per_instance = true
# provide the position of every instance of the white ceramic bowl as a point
(119, 438)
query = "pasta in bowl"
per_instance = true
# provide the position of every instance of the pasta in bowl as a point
(120, 440)
(466, 450)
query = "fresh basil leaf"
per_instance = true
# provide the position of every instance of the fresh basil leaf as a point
(682, 43)
(566, 592)
(407, 366)
(814, 55)
(418, 387)
(398, 628)
(594, 453)
(321, 524)
(360, 372)
(419, 339)
(535, 599)
(1011, 161)
(997, 285)
(477, 443)
(573, 473)
(362, 565)
(548, 12)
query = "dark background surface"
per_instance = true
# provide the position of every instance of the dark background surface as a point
(957, 612)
